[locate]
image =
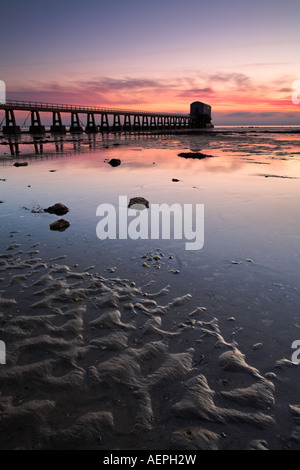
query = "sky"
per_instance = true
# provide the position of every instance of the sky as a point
(241, 57)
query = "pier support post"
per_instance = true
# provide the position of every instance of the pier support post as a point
(75, 123)
(117, 123)
(57, 125)
(153, 122)
(172, 122)
(36, 124)
(166, 122)
(10, 121)
(160, 124)
(177, 123)
(104, 123)
(91, 124)
(145, 123)
(136, 122)
(127, 122)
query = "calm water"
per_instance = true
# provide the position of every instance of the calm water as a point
(249, 265)
(250, 192)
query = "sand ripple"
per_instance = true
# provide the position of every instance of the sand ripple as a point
(94, 362)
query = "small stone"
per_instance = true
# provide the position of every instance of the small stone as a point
(60, 225)
(145, 265)
(197, 155)
(138, 203)
(257, 346)
(115, 162)
(20, 164)
(57, 209)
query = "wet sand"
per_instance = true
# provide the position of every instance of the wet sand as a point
(90, 347)
(99, 361)
(95, 362)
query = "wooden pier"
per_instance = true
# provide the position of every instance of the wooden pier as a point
(109, 119)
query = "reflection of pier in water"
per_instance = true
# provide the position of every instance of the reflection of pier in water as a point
(61, 144)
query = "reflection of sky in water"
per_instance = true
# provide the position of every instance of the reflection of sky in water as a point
(247, 216)
(245, 213)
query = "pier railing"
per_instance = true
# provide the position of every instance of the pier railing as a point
(42, 106)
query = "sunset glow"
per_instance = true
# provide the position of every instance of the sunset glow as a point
(240, 57)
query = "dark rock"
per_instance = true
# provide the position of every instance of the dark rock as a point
(197, 155)
(115, 162)
(60, 225)
(21, 164)
(138, 203)
(57, 209)
(175, 179)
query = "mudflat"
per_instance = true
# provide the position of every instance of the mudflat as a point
(142, 344)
